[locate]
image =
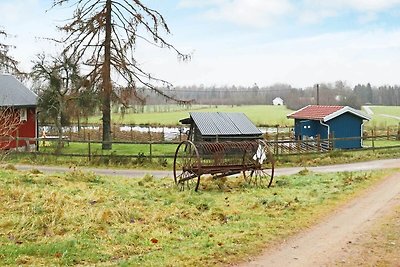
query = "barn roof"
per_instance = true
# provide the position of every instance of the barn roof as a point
(223, 124)
(325, 113)
(13, 93)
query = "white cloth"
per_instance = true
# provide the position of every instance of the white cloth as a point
(260, 155)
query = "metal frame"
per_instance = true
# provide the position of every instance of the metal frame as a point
(221, 159)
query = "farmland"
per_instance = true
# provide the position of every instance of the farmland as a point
(384, 116)
(261, 115)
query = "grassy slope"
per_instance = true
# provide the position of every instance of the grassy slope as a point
(81, 218)
(381, 121)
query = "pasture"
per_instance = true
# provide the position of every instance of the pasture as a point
(384, 116)
(260, 115)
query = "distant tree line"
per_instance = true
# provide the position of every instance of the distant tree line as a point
(338, 93)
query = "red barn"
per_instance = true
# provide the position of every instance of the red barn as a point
(17, 112)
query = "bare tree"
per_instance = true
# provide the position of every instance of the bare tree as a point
(7, 63)
(59, 83)
(103, 35)
(9, 123)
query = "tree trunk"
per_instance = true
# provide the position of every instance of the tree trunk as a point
(107, 87)
(59, 123)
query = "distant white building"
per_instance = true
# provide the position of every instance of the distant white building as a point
(277, 101)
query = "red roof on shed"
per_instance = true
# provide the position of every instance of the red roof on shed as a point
(325, 113)
(314, 112)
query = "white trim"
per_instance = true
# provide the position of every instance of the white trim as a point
(344, 110)
(329, 128)
(289, 115)
(361, 134)
(23, 114)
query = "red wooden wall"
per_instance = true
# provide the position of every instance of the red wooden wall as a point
(27, 129)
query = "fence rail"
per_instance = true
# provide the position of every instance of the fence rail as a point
(165, 149)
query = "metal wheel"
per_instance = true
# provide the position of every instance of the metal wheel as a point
(258, 163)
(187, 167)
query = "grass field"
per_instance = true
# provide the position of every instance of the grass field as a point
(80, 218)
(260, 115)
(382, 116)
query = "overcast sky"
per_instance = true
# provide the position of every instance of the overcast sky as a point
(242, 42)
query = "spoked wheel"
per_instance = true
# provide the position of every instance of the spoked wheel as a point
(259, 164)
(187, 167)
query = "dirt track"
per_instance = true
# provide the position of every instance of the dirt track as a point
(325, 243)
(369, 165)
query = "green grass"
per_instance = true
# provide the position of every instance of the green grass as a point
(119, 156)
(381, 143)
(118, 149)
(381, 121)
(80, 218)
(259, 115)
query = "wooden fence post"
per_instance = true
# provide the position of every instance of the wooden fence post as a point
(298, 145)
(398, 132)
(151, 152)
(373, 139)
(150, 146)
(89, 148)
(131, 133)
(318, 143)
(17, 141)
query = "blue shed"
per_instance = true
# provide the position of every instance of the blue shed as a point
(325, 121)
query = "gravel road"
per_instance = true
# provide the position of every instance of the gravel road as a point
(369, 165)
(323, 244)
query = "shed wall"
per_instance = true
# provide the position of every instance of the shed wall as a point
(26, 129)
(346, 125)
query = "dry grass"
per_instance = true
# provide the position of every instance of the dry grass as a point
(80, 218)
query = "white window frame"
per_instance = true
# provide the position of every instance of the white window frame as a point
(23, 114)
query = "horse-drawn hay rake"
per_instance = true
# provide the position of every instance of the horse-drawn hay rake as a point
(222, 144)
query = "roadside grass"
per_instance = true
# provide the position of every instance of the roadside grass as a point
(258, 114)
(79, 218)
(337, 157)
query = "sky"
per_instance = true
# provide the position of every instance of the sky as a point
(244, 42)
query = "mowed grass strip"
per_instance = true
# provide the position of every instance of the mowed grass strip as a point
(82, 218)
